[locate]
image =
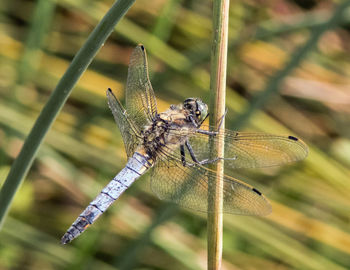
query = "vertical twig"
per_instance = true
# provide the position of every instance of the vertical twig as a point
(217, 109)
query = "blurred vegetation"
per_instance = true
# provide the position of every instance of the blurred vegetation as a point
(309, 226)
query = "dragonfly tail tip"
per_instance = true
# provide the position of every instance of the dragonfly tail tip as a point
(67, 238)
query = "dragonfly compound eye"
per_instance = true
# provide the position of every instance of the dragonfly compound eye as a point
(202, 110)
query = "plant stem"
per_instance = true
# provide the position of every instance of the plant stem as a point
(217, 109)
(48, 114)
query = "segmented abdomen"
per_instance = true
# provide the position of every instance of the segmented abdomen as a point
(136, 166)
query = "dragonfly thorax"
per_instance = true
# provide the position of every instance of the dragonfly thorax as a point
(168, 130)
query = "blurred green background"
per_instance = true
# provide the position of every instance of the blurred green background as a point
(309, 226)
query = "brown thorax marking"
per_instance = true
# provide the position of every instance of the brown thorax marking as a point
(168, 129)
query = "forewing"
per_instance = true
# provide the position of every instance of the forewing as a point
(188, 187)
(140, 99)
(128, 129)
(251, 150)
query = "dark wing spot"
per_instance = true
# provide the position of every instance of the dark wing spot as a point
(256, 191)
(293, 138)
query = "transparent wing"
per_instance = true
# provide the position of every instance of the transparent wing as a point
(251, 150)
(140, 100)
(129, 131)
(188, 187)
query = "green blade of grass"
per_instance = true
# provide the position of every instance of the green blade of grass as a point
(48, 114)
(42, 17)
(24, 235)
(296, 58)
(130, 258)
(272, 28)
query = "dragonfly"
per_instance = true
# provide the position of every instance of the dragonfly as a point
(175, 145)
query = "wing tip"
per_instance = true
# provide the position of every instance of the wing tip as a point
(268, 210)
(109, 93)
(140, 45)
(302, 144)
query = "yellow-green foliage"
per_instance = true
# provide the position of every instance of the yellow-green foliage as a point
(309, 226)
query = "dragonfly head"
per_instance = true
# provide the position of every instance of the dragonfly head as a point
(197, 109)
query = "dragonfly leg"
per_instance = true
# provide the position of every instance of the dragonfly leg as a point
(221, 120)
(207, 132)
(213, 133)
(204, 161)
(183, 159)
(182, 152)
(193, 121)
(193, 156)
